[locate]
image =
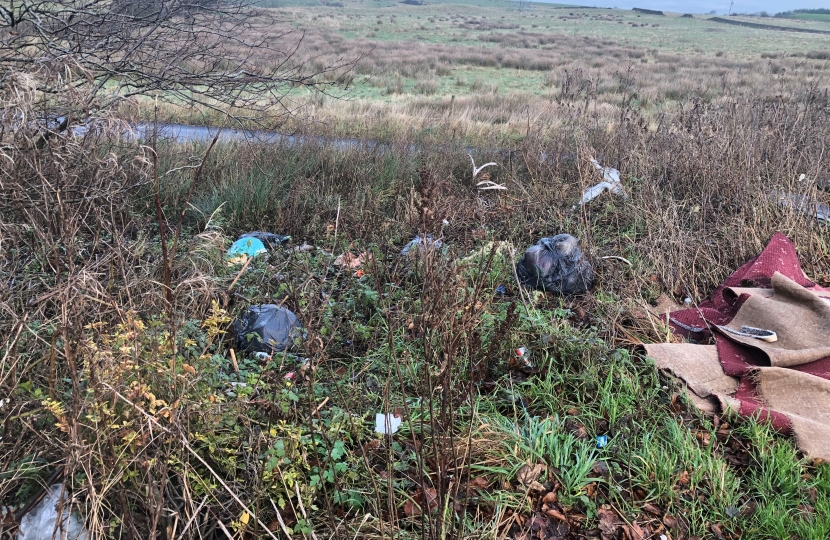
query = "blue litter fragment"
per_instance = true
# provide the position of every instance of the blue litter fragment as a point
(501, 291)
(602, 441)
(247, 246)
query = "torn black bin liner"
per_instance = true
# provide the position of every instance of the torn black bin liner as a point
(556, 264)
(266, 328)
(269, 239)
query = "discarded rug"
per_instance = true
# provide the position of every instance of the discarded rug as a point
(771, 357)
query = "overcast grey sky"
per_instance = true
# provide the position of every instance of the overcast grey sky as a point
(704, 6)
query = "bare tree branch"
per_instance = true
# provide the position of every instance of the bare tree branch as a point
(204, 52)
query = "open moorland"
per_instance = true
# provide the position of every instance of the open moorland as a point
(496, 73)
(121, 375)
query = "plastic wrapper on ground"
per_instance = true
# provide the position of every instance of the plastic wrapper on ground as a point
(41, 522)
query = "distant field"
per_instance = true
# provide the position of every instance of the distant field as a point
(796, 21)
(489, 71)
(823, 17)
(390, 3)
(670, 32)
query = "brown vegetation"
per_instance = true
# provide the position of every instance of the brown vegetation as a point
(113, 327)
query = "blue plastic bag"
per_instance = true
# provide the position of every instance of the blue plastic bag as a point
(251, 247)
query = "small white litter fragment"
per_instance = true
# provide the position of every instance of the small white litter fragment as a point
(610, 182)
(40, 522)
(609, 174)
(234, 388)
(387, 423)
(477, 170)
(485, 185)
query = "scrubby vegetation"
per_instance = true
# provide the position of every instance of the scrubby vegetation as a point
(119, 363)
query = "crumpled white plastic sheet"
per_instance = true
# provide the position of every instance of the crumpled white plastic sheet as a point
(387, 424)
(610, 182)
(40, 522)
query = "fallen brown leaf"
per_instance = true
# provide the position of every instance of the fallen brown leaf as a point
(652, 509)
(431, 497)
(577, 519)
(350, 260)
(529, 475)
(703, 437)
(411, 509)
(609, 523)
(634, 532)
(556, 514)
(550, 498)
(749, 508)
(478, 482)
(684, 478)
(806, 510)
(812, 495)
(543, 527)
(591, 490)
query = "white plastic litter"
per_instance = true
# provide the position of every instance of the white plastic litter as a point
(485, 183)
(610, 182)
(477, 170)
(387, 423)
(40, 522)
(804, 204)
